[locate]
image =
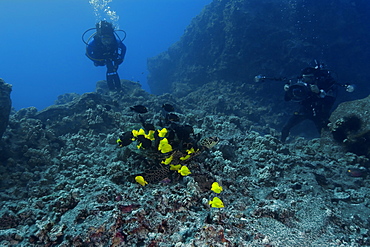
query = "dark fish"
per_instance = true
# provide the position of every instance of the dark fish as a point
(183, 132)
(108, 107)
(145, 143)
(170, 135)
(125, 139)
(139, 108)
(171, 117)
(168, 107)
(357, 172)
(147, 126)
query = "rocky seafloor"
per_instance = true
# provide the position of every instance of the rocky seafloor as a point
(65, 182)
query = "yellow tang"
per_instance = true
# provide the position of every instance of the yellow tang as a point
(139, 132)
(167, 161)
(216, 188)
(216, 203)
(150, 135)
(185, 157)
(162, 132)
(141, 180)
(184, 171)
(175, 167)
(164, 146)
(192, 151)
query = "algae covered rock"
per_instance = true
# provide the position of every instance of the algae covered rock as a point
(5, 105)
(350, 125)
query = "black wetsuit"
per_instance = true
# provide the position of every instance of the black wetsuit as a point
(110, 55)
(315, 107)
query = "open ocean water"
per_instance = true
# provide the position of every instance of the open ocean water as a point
(43, 56)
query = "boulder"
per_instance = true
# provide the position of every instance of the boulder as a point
(350, 126)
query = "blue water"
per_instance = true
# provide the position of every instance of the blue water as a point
(43, 56)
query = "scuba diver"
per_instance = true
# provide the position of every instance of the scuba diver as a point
(316, 91)
(105, 48)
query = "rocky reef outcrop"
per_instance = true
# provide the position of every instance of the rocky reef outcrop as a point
(232, 41)
(5, 105)
(350, 126)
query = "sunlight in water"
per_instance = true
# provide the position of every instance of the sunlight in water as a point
(103, 11)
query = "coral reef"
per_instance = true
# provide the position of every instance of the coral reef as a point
(65, 181)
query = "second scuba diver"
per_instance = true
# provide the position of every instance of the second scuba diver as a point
(315, 90)
(106, 48)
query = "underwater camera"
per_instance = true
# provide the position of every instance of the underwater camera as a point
(298, 91)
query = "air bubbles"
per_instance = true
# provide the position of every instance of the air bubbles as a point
(103, 11)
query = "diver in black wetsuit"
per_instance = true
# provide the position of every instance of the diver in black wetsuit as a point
(316, 92)
(106, 48)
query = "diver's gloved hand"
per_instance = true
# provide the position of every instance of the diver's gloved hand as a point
(286, 87)
(322, 94)
(314, 88)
